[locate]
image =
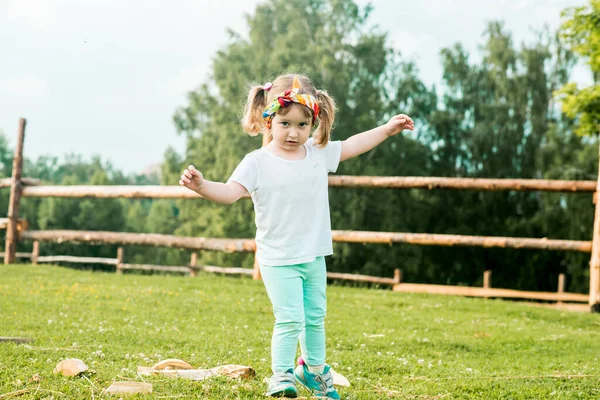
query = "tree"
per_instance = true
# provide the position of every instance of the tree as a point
(580, 31)
(497, 120)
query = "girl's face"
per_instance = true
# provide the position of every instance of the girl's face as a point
(291, 131)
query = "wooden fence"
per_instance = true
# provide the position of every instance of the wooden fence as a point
(17, 230)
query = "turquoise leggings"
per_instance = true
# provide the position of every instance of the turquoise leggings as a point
(297, 293)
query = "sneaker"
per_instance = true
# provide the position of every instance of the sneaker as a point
(282, 384)
(321, 385)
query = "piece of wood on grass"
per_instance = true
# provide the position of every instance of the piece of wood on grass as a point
(172, 363)
(70, 367)
(192, 374)
(234, 371)
(181, 369)
(230, 371)
(339, 379)
(125, 388)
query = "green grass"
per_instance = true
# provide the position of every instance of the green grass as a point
(390, 345)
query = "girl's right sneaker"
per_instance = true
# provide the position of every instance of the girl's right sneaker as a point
(321, 385)
(282, 384)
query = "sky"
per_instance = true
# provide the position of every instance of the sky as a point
(105, 77)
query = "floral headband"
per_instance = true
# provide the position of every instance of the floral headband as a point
(288, 97)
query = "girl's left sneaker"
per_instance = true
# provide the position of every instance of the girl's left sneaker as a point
(321, 385)
(282, 384)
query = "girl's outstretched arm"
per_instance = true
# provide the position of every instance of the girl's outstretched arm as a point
(225, 193)
(365, 141)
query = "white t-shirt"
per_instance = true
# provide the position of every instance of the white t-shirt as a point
(291, 203)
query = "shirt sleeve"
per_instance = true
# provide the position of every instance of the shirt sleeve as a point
(246, 174)
(333, 153)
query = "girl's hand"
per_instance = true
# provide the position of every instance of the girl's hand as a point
(398, 123)
(191, 178)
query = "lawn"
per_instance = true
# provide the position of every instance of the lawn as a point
(389, 345)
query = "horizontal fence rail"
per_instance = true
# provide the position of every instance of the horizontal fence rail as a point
(77, 260)
(188, 269)
(393, 182)
(112, 192)
(7, 182)
(146, 267)
(248, 245)
(461, 240)
(224, 270)
(471, 291)
(22, 224)
(420, 182)
(18, 255)
(145, 239)
(364, 278)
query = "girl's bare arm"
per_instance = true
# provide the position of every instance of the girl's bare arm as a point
(226, 193)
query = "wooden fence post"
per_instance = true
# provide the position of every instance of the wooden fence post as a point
(256, 273)
(561, 286)
(193, 262)
(487, 279)
(35, 253)
(397, 275)
(119, 270)
(594, 300)
(12, 236)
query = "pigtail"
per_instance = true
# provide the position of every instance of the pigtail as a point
(326, 117)
(253, 122)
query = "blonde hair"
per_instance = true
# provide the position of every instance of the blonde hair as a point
(253, 122)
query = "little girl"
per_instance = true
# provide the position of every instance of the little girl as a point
(287, 180)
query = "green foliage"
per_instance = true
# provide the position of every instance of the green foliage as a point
(583, 104)
(389, 345)
(498, 121)
(581, 32)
